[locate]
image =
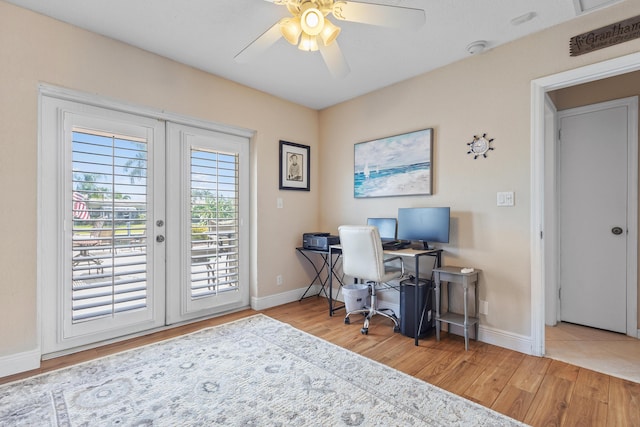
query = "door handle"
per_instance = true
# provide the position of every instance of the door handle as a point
(617, 230)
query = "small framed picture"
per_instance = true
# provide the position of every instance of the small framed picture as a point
(294, 166)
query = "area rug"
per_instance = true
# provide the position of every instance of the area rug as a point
(254, 371)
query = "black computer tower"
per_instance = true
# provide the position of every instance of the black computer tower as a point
(408, 322)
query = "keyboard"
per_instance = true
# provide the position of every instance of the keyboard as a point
(394, 245)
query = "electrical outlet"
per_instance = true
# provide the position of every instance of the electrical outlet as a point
(484, 307)
(279, 280)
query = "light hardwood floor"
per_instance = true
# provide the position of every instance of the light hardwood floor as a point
(538, 391)
(602, 351)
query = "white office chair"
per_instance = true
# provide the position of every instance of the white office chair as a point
(362, 258)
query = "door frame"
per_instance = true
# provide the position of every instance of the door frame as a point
(543, 235)
(92, 100)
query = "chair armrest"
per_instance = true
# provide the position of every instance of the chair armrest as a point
(397, 257)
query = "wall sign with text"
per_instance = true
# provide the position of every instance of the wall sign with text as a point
(610, 35)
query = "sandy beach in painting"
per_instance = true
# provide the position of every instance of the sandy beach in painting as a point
(392, 182)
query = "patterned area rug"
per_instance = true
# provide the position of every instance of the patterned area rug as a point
(254, 371)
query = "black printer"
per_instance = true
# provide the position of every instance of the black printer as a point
(319, 241)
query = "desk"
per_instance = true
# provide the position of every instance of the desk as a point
(405, 253)
(328, 264)
(454, 275)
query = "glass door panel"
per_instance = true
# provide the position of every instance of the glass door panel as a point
(105, 278)
(208, 197)
(109, 204)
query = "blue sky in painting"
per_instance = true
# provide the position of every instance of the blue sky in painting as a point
(394, 151)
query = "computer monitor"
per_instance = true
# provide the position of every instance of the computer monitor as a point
(426, 225)
(386, 227)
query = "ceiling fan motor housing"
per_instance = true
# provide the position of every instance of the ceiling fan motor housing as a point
(307, 22)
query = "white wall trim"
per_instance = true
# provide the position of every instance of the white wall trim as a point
(117, 105)
(539, 88)
(508, 340)
(19, 362)
(486, 334)
(59, 93)
(262, 303)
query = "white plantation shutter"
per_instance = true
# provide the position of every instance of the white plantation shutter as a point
(215, 216)
(109, 233)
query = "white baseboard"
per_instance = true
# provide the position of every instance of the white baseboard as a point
(283, 298)
(19, 362)
(28, 360)
(389, 299)
(509, 340)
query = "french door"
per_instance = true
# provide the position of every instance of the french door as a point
(114, 259)
(208, 197)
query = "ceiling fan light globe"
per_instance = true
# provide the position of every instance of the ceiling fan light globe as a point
(329, 33)
(312, 21)
(308, 43)
(291, 29)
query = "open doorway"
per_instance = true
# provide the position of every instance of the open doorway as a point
(543, 228)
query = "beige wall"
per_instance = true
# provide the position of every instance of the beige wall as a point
(35, 49)
(485, 93)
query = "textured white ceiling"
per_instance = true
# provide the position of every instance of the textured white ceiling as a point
(207, 34)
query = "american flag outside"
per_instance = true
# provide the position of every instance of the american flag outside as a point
(80, 207)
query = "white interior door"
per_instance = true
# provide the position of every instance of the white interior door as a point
(207, 243)
(593, 200)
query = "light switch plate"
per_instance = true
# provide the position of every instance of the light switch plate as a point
(506, 198)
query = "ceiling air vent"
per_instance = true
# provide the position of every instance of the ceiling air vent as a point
(586, 6)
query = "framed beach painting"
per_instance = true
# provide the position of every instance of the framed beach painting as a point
(294, 166)
(397, 165)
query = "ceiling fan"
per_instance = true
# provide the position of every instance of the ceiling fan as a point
(309, 28)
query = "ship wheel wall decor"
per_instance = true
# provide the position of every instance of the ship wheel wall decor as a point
(480, 146)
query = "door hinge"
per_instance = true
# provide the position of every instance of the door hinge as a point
(541, 235)
(560, 293)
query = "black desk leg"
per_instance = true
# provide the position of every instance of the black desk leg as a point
(332, 273)
(317, 277)
(417, 301)
(330, 287)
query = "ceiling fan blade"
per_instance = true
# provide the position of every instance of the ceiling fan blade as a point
(259, 45)
(333, 57)
(379, 14)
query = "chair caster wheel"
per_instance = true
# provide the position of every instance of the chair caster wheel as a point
(364, 331)
(396, 329)
(347, 321)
